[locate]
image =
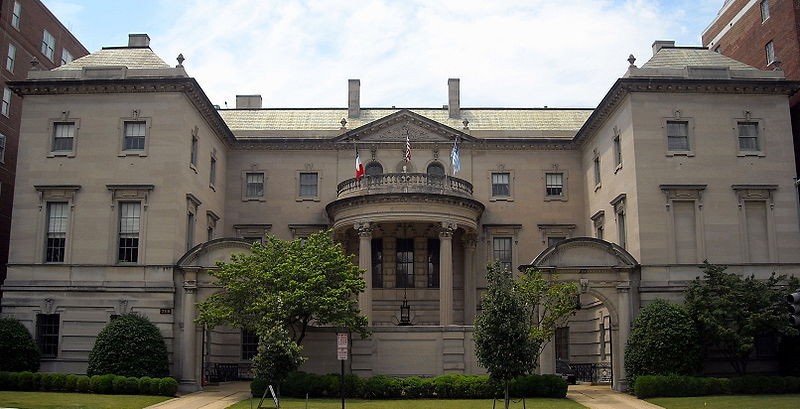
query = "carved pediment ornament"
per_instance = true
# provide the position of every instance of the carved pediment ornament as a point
(683, 192)
(755, 192)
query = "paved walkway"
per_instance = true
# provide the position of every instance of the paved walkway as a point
(603, 397)
(212, 397)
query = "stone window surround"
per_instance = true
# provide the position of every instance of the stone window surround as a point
(192, 205)
(299, 197)
(564, 196)
(501, 170)
(598, 222)
(54, 193)
(747, 117)
(616, 141)
(51, 128)
(194, 149)
(548, 230)
(618, 203)
(252, 230)
(263, 197)
(685, 193)
(128, 193)
(490, 231)
(756, 193)
(135, 117)
(677, 116)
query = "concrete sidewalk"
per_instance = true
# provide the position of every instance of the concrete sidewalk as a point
(603, 397)
(212, 397)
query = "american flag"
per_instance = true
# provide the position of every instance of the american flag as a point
(408, 148)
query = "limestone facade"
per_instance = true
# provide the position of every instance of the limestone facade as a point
(688, 157)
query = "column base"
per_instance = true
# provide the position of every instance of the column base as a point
(188, 386)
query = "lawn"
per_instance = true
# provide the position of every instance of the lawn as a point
(57, 400)
(731, 402)
(410, 404)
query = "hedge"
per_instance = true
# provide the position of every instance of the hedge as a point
(101, 384)
(17, 348)
(653, 386)
(456, 386)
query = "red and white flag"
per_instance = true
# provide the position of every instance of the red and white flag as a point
(359, 167)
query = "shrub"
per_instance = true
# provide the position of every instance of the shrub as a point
(103, 384)
(8, 381)
(130, 345)
(25, 381)
(71, 383)
(82, 384)
(37, 381)
(168, 387)
(663, 341)
(17, 347)
(47, 381)
(145, 387)
(119, 385)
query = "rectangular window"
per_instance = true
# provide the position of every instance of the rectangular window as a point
(377, 263)
(405, 263)
(433, 263)
(210, 233)
(128, 238)
(678, 136)
(2, 148)
(621, 229)
(135, 133)
(66, 56)
(63, 136)
(501, 184)
(748, 136)
(249, 344)
(47, 334)
(501, 251)
(12, 57)
(757, 231)
(309, 184)
(764, 10)
(193, 157)
(598, 232)
(554, 184)
(212, 173)
(56, 241)
(16, 16)
(254, 185)
(5, 109)
(617, 151)
(597, 171)
(685, 224)
(562, 343)
(48, 45)
(189, 231)
(770, 50)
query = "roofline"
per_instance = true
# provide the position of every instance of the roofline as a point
(623, 86)
(185, 85)
(410, 109)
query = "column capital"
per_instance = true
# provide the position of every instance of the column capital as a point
(364, 228)
(447, 229)
(624, 288)
(190, 286)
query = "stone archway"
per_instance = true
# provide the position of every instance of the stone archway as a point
(606, 273)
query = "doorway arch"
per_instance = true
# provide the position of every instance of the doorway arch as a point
(605, 272)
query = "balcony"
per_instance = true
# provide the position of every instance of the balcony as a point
(404, 183)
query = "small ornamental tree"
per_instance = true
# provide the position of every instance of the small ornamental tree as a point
(18, 351)
(731, 311)
(663, 341)
(130, 345)
(502, 342)
(278, 355)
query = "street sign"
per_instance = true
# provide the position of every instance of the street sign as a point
(341, 346)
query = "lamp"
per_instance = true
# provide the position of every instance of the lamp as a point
(405, 313)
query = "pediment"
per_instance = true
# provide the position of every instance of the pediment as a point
(401, 124)
(581, 252)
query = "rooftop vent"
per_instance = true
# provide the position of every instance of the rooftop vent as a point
(353, 98)
(453, 98)
(138, 40)
(248, 101)
(659, 44)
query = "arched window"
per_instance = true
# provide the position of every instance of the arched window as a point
(436, 169)
(373, 169)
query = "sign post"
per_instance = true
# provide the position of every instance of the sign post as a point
(341, 355)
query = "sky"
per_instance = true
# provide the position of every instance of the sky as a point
(530, 53)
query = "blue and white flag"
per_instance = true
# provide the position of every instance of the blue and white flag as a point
(455, 158)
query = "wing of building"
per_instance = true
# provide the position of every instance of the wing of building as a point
(131, 184)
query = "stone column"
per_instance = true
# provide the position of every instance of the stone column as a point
(624, 296)
(470, 296)
(446, 273)
(364, 230)
(189, 340)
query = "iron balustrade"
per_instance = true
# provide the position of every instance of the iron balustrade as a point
(404, 183)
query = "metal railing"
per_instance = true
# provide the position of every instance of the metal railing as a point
(404, 183)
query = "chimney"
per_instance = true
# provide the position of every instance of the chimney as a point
(453, 98)
(659, 44)
(248, 101)
(353, 98)
(138, 40)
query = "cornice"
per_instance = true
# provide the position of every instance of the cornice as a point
(422, 198)
(623, 86)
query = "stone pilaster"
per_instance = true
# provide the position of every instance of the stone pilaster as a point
(470, 287)
(189, 339)
(446, 273)
(364, 230)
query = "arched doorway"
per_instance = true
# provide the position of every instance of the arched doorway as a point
(593, 339)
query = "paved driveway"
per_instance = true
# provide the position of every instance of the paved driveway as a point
(603, 397)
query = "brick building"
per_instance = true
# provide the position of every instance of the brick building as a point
(29, 32)
(764, 34)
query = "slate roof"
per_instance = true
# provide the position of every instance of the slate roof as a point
(132, 58)
(682, 57)
(479, 118)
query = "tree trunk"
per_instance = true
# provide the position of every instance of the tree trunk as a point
(507, 400)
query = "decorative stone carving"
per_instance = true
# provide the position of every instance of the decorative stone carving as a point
(683, 192)
(755, 192)
(363, 228)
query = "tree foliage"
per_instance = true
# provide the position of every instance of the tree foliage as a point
(130, 345)
(517, 319)
(731, 311)
(292, 284)
(17, 348)
(663, 341)
(278, 355)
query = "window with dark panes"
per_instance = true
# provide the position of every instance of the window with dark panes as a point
(128, 237)
(249, 344)
(47, 334)
(748, 136)
(135, 133)
(501, 251)
(678, 136)
(501, 184)
(309, 184)
(57, 217)
(405, 263)
(433, 263)
(554, 184)
(377, 263)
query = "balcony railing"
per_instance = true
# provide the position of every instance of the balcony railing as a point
(404, 183)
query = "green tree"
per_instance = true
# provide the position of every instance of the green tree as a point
(17, 348)
(548, 301)
(663, 341)
(731, 311)
(278, 355)
(282, 288)
(502, 342)
(130, 345)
